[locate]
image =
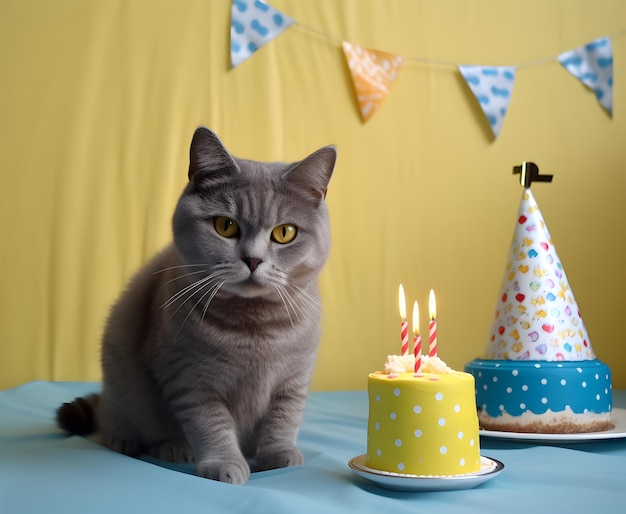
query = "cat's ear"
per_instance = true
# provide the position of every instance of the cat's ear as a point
(314, 172)
(208, 158)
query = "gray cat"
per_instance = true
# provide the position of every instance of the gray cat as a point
(207, 356)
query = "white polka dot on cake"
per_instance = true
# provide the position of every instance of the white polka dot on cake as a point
(443, 450)
(584, 384)
(457, 408)
(509, 390)
(378, 452)
(563, 381)
(485, 387)
(524, 387)
(417, 409)
(401, 466)
(439, 396)
(393, 415)
(495, 379)
(396, 392)
(377, 426)
(441, 422)
(514, 372)
(544, 400)
(544, 381)
(417, 433)
(398, 443)
(460, 434)
(522, 405)
(377, 397)
(462, 462)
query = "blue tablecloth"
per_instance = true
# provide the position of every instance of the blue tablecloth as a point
(44, 471)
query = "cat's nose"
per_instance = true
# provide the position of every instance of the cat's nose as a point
(252, 262)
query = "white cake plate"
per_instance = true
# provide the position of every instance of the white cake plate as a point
(489, 468)
(618, 417)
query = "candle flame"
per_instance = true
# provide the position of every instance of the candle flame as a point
(432, 308)
(416, 319)
(402, 302)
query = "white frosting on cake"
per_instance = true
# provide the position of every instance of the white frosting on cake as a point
(405, 364)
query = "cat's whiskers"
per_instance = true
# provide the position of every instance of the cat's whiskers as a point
(284, 295)
(185, 275)
(185, 290)
(312, 302)
(192, 289)
(213, 288)
(178, 267)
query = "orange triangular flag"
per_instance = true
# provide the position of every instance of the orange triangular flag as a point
(373, 73)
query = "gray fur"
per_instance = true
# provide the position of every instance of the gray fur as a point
(206, 357)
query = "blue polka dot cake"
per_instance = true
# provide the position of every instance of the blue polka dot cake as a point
(543, 397)
(539, 373)
(422, 423)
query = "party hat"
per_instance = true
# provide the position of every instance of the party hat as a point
(536, 316)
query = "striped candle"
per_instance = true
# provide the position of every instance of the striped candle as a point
(404, 325)
(417, 339)
(432, 325)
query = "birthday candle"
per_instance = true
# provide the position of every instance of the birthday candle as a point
(404, 325)
(417, 339)
(432, 325)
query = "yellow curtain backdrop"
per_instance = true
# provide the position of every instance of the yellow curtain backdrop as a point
(99, 100)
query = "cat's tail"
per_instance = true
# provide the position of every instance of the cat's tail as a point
(78, 417)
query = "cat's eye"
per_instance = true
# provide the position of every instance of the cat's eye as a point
(284, 234)
(226, 227)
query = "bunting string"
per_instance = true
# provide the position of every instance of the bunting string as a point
(254, 23)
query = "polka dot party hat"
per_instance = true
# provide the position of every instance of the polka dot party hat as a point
(536, 315)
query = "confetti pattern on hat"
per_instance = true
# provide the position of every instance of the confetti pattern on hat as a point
(253, 24)
(373, 73)
(592, 64)
(492, 86)
(536, 316)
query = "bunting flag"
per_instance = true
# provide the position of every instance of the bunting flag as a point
(592, 64)
(253, 23)
(492, 86)
(373, 73)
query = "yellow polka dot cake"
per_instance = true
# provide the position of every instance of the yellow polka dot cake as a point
(422, 423)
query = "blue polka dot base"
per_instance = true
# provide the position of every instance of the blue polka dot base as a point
(543, 396)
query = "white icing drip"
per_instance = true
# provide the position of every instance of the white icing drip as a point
(550, 417)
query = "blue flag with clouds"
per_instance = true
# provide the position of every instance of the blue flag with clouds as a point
(253, 24)
(592, 64)
(492, 86)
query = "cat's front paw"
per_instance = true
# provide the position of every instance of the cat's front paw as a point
(279, 459)
(172, 451)
(229, 471)
(129, 447)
